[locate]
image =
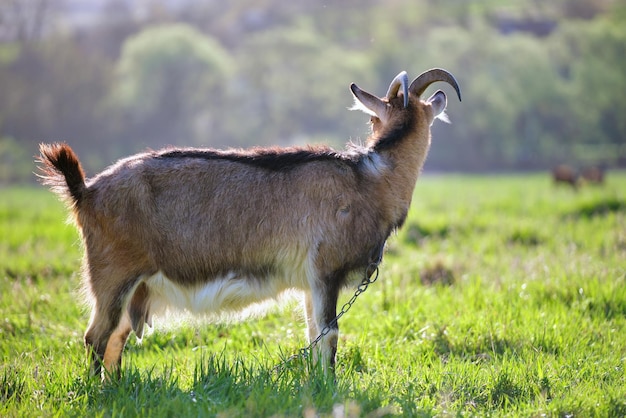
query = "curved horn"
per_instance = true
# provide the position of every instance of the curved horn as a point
(401, 80)
(430, 76)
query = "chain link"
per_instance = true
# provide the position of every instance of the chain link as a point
(371, 275)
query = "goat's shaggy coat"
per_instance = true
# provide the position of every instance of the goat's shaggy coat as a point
(211, 231)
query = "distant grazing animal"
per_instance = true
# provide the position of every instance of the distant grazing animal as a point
(565, 174)
(210, 231)
(593, 175)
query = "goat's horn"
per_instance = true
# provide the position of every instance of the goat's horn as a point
(430, 76)
(401, 80)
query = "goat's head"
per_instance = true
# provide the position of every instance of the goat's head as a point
(402, 97)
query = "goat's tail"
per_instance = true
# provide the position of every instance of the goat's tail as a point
(61, 170)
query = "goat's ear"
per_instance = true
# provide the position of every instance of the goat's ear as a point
(367, 102)
(438, 102)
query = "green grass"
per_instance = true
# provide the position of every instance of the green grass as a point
(501, 296)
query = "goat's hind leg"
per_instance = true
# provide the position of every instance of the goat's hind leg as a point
(101, 327)
(108, 331)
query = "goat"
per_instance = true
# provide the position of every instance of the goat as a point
(208, 230)
(565, 174)
(594, 175)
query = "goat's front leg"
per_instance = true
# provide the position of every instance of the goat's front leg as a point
(311, 324)
(322, 304)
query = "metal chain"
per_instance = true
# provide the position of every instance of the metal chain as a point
(371, 275)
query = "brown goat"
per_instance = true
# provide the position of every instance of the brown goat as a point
(565, 174)
(593, 175)
(209, 231)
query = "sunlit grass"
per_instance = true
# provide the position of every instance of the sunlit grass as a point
(502, 295)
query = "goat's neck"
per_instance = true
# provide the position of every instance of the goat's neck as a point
(404, 161)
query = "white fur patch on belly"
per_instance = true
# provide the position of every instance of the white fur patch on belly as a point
(230, 297)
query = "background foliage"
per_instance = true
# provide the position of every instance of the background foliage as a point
(542, 83)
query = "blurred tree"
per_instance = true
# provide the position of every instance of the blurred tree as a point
(532, 102)
(295, 82)
(584, 9)
(589, 55)
(542, 82)
(54, 94)
(116, 23)
(171, 81)
(15, 162)
(26, 20)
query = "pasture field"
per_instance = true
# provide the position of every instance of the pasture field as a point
(501, 296)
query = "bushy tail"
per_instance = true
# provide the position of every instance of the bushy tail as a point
(61, 170)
